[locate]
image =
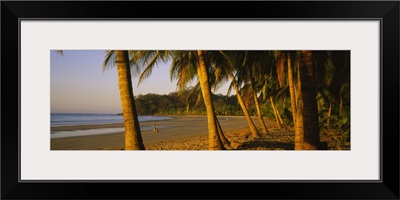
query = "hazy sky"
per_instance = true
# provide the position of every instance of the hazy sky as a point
(79, 85)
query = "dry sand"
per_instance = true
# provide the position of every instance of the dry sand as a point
(180, 133)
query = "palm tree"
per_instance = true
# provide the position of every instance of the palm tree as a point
(293, 89)
(215, 142)
(196, 91)
(307, 123)
(186, 61)
(276, 113)
(185, 74)
(227, 62)
(133, 136)
(330, 77)
(256, 66)
(302, 87)
(257, 104)
(270, 91)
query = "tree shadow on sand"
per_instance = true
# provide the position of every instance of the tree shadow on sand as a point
(255, 145)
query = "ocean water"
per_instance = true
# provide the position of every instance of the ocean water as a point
(64, 119)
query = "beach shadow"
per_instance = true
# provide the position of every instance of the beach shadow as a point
(254, 145)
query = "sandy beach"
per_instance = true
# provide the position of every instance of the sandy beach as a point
(179, 133)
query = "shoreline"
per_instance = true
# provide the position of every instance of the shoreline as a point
(185, 133)
(180, 127)
(100, 125)
(120, 125)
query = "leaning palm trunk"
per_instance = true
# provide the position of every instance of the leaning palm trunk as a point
(278, 124)
(253, 129)
(279, 116)
(257, 104)
(329, 116)
(214, 142)
(221, 134)
(260, 118)
(133, 136)
(307, 111)
(187, 109)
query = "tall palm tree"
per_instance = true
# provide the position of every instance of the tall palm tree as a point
(195, 92)
(270, 91)
(276, 112)
(133, 136)
(186, 61)
(307, 124)
(302, 87)
(228, 63)
(331, 77)
(293, 89)
(215, 142)
(257, 104)
(256, 65)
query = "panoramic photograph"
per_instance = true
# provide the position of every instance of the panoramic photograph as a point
(200, 100)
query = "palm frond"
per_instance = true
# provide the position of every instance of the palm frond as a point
(149, 68)
(329, 72)
(228, 59)
(60, 52)
(194, 92)
(230, 89)
(109, 60)
(345, 90)
(183, 68)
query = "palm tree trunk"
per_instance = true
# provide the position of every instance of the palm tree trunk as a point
(307, 111)
(253, 129)
(279, 116)
(329, 115)
(260, 118)
(133, 136)
(214, 142)
(187, 108)
(298, 136)
(221, 134)
(291, 88)
(298, 125)
(278, 124)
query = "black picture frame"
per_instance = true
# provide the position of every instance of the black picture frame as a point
(386, 11)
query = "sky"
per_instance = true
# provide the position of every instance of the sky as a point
(79, 85)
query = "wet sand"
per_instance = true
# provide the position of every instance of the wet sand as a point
(181, 132)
